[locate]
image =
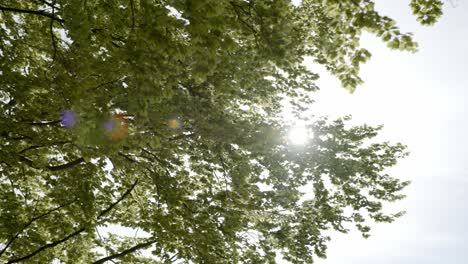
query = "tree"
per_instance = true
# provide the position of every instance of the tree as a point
(163, 116)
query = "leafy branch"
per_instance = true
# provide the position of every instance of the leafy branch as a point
(119, 200)
(132, 7)
(44, 146)
(46, 246)
(30, 222)
(77, 232)
(45, 123)
(236, 8)
(65, 166)
(51, 27)
(46, 3)
(126, 252)
(35, 12)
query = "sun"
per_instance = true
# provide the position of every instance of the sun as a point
(299, 134)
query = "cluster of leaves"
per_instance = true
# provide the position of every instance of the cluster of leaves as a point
(223, 67)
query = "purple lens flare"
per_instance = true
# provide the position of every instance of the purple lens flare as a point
(68, 118)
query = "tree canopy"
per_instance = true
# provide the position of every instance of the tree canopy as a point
(163, 116)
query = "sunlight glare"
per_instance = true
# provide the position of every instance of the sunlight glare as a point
(299, 134)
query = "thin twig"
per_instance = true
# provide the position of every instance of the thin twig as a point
(127, 157)
(221, 159)
(104, 84)
(54, 45)
(236, 7)
(133, 14)
(46, 3)
(102, 241)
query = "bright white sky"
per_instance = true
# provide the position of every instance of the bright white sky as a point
(420, 98)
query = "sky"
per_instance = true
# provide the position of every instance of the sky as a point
(420, 99)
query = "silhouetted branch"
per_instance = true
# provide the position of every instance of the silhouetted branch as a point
(236, 7)
(43, 146)
(48, 245)
(77, 232)
(20, 137)
(119, 200)
(35, 12)
(66, 165)
(104, 84)
(30, 222)
(174, 257)
(125, 252)
(127, 157)
(28, 161)
(133, 13)
(223, 165)
(46, 3)
(153, 156)
(45, 123)
(51, 26)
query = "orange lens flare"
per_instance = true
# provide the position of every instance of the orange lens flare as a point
(173, 123)
(117, 127)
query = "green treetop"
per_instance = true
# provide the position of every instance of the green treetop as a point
(164, 116)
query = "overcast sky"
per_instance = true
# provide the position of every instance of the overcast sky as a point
(423, 102)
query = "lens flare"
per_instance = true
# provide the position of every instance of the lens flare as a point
(109, 125)
(68, 118)
(117, 127)
(174, 122)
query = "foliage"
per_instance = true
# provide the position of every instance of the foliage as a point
(216, 72)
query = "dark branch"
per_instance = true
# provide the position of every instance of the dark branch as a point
(30, 148)
(133, 14)
(46, 3)
(45, 123)
(77, 232)
(30, 222)
(174, 257)
(125, 252)
(223, 165)
(127, 157)
(35, 12)
(43, 146)
(28, 161)
(119, 200)
(54, 45)
(66, 165)
(20, 137)
(104, 84)
(48, 245)
(115, 44)
(249, 26)
(153, 156)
